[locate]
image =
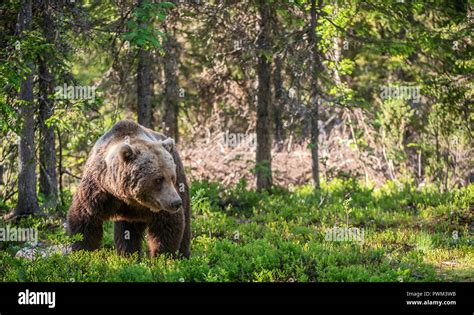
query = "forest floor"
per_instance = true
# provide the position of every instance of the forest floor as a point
(392, 233)
(212, 159)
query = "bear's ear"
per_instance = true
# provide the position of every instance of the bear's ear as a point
(126, 153)
(168, 144)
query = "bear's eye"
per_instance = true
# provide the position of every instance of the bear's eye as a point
(160, 180)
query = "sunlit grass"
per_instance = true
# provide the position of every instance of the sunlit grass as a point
(242, 235)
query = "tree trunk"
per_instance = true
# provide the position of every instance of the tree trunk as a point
(143, 86)
(156, 83)
(27, 200)
(263, 166)
(171, 102)
(313, 41)
(278, 103)
(48, 183)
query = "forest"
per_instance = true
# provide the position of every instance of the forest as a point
(322, 140)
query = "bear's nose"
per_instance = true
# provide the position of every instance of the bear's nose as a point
(176, 204)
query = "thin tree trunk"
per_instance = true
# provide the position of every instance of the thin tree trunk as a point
(143, 86)
(60, 166)
(171, 102)
(48, 183)
(278, 103)
(156, 82)
(313, 41)
(27, 200)
(264, 140)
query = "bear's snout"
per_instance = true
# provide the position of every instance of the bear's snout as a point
(176, 204)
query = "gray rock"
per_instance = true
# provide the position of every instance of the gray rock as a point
(41, 251)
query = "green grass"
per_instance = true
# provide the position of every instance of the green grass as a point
(242, 235)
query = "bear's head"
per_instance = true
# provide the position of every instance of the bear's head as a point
(143, 173)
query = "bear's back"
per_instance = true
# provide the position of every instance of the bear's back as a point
(119, 132)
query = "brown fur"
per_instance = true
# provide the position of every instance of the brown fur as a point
(135, 177)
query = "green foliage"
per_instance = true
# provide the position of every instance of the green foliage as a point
(395, 118)
(241, 234)
(142, 31)
(262, 167)
(408, 237)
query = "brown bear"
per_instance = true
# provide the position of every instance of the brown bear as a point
(133, 176)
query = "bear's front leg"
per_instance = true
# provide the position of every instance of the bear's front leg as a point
(165, 233)
(89, 226)
(128, 237)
